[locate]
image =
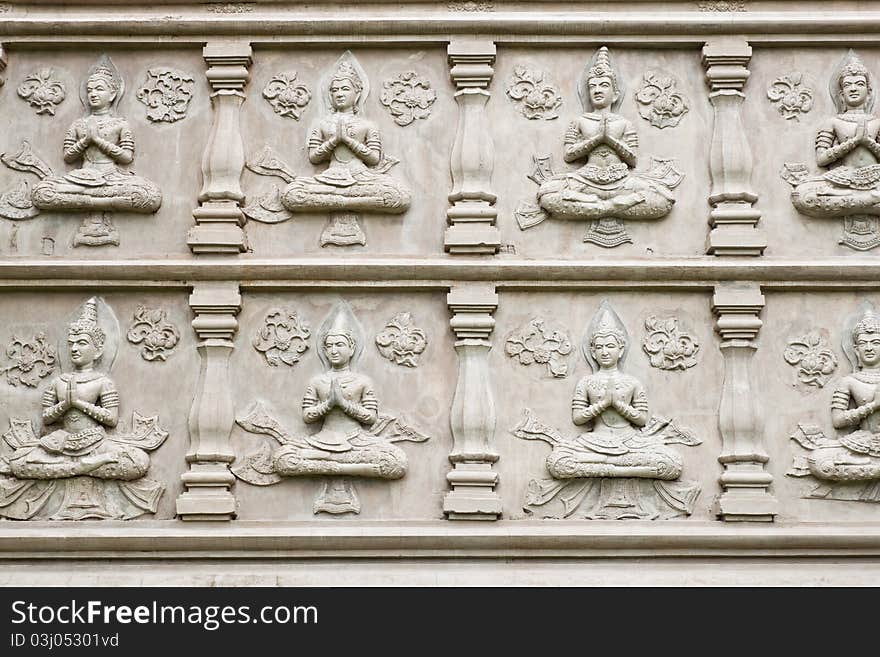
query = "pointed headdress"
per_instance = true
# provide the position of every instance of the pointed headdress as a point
(87, 323)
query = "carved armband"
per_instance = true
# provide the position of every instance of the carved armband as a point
(575, 148)
(314, 410)
(840, 400)
(110, 399)
(581, 410)
(824, 139)
(73, 147)
(318, 148)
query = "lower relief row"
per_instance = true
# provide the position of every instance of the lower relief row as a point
(347, 403)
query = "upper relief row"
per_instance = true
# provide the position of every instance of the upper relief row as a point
(563, 153)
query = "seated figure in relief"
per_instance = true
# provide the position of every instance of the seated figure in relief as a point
(855, 404)
(345, 404)
(104, 143)
(606, 185)
(353, 439)
(614, 406)
(356, 178)
(847, 144)
(86, 404)
(621, 466)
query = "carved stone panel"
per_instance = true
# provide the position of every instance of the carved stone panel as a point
(291, 462)
(847, 149)
(355, 176)
(85, 463)
(354, 438)
(606, 191)
(621, 467)
(846, 466)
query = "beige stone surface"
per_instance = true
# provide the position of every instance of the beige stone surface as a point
(409, 530)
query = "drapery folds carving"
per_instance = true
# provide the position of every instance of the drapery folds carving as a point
(745, 481)
(219, 219)
(208, 481)
(733, 218)
(472, 213)
(473, 481)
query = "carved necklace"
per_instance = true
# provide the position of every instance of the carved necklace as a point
(870, 376)
(855, 116)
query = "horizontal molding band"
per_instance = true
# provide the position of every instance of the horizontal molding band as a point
(428, 21)
(441, 272)
(434, 539)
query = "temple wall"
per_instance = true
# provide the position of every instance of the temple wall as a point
(342, 293)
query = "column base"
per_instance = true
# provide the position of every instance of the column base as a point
(208, 495)
(736, 240)
(473, 496)
(218, 229)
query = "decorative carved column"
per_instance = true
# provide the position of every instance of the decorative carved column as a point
(473, 480)
(208, 482)
(2, 64)
(219, 219)
(733, 219)
(745, 482)
(472, 215)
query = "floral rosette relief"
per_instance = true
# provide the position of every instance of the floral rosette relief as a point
(42, 91)
(408, 97)
(283, 338)
(32, 360)
(287, 95)
(151, 329)
(667, 346)
(813, 358)
(535, 343)
(402, 342)
(660, 103)
(166, 93)
(536, 95)
(791, 96)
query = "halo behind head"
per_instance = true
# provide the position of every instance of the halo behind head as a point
(341, 321)
(97, 320)
(600, 65)
(850, 65)
(866, 320)
(604, 323)
(105, 70)
(349, 68)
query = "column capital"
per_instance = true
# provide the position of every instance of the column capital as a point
(736, 308)
(472, 306)
(228, 63)
(470, 62)
(726, 62)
